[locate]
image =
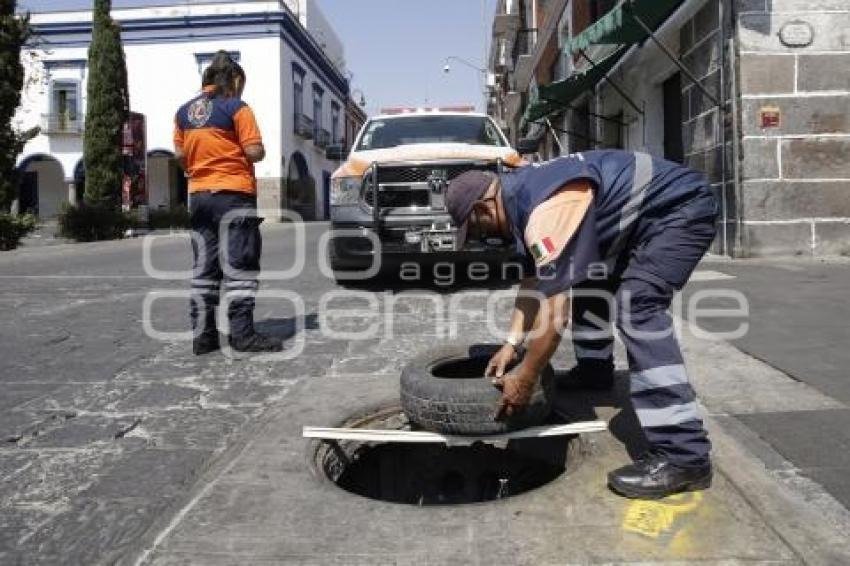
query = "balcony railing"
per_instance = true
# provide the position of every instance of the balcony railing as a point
(323, 138)
(62, 124)
(303, 126)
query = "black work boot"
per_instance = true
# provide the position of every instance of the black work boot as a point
(593, 375)
(205, 343)
(255, 342)
(654, 476)
(207, 340)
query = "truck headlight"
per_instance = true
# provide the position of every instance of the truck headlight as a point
(345, 190)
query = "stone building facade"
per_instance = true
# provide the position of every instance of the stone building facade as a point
(769, 126)
(794, 56)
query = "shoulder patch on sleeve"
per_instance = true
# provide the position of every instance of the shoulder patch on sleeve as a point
(554, 222)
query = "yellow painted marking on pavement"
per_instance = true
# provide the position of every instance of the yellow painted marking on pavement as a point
(656, 518)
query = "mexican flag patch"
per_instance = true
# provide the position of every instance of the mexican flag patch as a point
(542, 249)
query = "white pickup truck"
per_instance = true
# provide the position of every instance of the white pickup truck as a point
(392, 185)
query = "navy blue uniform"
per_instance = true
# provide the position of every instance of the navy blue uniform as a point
(242, 249)
(649, 224)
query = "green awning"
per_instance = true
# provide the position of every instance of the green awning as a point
(554, 97)
(619, 26)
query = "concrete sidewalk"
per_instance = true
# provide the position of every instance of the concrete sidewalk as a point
(271, 504)
(798, 318)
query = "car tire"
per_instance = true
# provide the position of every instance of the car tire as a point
(460, 400)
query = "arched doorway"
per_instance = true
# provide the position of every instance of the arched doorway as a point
(167, 185)
(42, 190)
(300, 188)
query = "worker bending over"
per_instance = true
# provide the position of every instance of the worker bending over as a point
(604, 224)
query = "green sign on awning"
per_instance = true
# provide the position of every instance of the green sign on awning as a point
(619, 26)
(555, 96)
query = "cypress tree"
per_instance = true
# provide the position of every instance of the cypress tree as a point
(14, 32)
(107, 110)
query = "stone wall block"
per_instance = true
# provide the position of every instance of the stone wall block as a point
(767, 74)
(777, 239)
(760, 32)
(824, 72)
(760, 159)
(807, 5)
(804, 115)
(784, 200)
(832, 238)
(819, 158)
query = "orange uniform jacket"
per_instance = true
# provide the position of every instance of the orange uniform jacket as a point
(212, 132)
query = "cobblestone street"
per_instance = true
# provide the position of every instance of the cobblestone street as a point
(104, 428)
(118, 447)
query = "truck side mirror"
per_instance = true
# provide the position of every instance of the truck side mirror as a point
(527, 145)
(335, 153)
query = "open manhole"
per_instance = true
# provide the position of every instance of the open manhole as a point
(434, 474)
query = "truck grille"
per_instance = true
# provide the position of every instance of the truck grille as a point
(420, 174)
(398, 184)
(399, 197)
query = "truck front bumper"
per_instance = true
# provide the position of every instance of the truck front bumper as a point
(412, 236)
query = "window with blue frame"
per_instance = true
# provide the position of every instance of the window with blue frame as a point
(318, 95)
(298, 90)
(335, 123)
(65, 107)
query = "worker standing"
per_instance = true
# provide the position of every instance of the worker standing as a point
(217, 141)
(599, 223)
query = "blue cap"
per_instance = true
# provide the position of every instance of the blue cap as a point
(463, 192)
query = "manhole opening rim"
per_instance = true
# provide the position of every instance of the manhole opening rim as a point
(320, 452)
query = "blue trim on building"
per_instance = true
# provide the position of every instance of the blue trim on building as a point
(38, 158)
(51, 64)
(290, 30)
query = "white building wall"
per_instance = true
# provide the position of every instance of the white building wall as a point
(35, 104)
(164, 73)
(317, 163)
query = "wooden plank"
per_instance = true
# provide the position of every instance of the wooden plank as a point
(424, 437)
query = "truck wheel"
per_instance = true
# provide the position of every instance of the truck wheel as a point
(443, 390)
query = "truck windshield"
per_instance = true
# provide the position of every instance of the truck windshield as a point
(392, 132)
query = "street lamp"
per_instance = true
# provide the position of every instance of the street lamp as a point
(487, 78)
(448, 69)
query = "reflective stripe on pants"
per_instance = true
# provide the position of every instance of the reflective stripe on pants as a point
(243, 248)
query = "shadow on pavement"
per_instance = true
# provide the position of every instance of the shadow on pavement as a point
(286, 328)
(581, 405)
